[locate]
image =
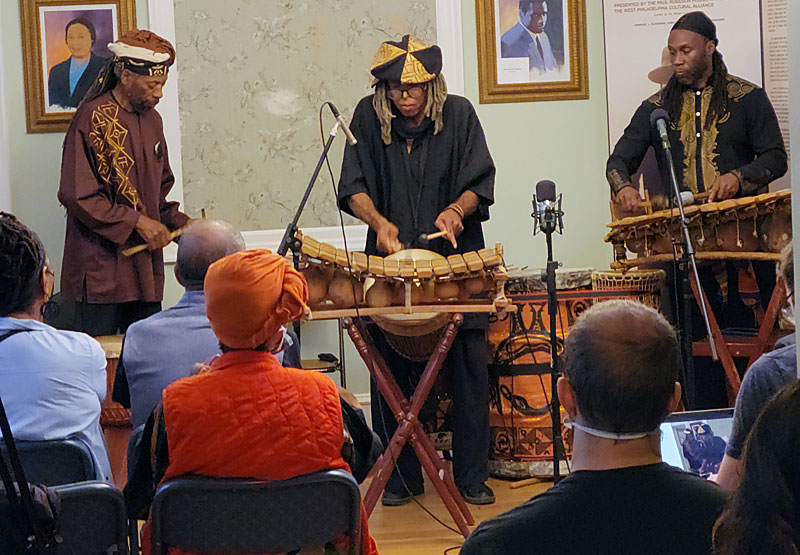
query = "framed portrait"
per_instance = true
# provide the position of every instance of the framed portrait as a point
(64, 47)
(531, 50)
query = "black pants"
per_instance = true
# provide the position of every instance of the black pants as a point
(467, 368)
(113, 318)
(731, 313)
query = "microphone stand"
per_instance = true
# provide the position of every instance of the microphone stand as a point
(550, 223)
(289, 240)
(688, 260)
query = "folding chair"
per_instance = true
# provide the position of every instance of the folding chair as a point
(55, 462)
(93, 519)
(224, 515)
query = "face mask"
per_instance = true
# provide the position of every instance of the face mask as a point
(569, 423)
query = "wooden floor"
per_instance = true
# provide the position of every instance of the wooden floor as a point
(408, 530)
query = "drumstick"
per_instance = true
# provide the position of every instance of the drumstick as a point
(139, 248)
(424, 238)
(524, 483)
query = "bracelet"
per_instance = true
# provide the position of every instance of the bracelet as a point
(457, 209)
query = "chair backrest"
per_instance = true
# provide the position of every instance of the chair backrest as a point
(93, 519)
(223, 515)
(55, 462)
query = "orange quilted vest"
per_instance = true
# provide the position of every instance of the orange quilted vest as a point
(249, 417)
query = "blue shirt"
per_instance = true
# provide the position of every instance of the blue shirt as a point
(75, 73)
(52, 383)
(765, 377)
(164, 348)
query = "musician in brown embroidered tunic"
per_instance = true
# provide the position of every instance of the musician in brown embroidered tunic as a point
(115, 177)
(724, 132)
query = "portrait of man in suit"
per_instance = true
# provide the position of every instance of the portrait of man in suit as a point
(69, 80)
(528, 38)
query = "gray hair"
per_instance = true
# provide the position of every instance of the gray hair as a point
(437, 94)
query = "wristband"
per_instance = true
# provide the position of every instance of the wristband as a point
(457, 209)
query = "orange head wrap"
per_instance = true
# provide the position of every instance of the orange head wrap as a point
(250, 295)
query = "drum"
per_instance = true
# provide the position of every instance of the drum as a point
(113, 414)
(760, 223)
(643, 286)
(519, 417)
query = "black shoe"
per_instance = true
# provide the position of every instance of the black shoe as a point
(393, 499)
(477, 494)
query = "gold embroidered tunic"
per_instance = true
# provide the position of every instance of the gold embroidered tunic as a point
(114, 169)
(746, 138)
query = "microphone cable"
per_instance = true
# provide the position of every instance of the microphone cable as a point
(371, 368)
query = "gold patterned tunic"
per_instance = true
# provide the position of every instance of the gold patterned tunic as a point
(114, 168)
(745, 138)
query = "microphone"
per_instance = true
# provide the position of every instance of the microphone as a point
(546, 208)
(343, 125)
(659, 119)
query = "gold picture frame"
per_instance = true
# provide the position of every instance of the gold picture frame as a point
(516, 64)
(54, 34)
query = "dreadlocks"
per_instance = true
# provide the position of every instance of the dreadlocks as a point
(107, 78)
(437, 94)
(673, 92)
(22, 259)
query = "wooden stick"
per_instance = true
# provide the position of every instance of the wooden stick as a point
(436, 235)
(139, 248)
(525, 482)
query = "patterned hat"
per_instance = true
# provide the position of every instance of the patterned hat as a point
(408, 61)
(144, 52)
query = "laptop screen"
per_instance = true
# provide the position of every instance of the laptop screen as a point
(695, 441)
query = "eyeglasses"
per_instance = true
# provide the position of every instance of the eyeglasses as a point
(413, 91)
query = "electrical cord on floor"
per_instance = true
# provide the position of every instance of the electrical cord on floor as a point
(355, 296)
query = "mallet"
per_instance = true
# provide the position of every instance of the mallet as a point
(425, 238)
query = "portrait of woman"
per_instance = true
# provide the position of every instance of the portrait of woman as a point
(69, 80)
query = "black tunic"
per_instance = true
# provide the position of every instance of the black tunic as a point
(746, 138)
(411, 190)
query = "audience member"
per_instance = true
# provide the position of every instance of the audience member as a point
(621, 498)
(763, 516)
(52, 382)
(246, 415)
(166, 346)
(763, 379)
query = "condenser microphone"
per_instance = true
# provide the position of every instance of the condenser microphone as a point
(343, 125)
(546, 207)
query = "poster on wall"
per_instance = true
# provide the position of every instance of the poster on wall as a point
(637, 60)
(64, 46)
(774, 30)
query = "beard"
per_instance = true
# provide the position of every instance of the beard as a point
(140, 106)
(692, 76)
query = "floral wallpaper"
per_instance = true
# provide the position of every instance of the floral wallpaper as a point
(252, 76)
